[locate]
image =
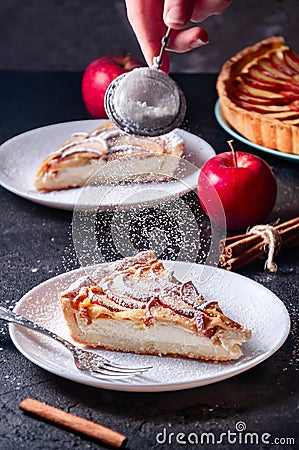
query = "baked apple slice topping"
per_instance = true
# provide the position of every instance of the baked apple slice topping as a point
(259, 94)
(270, 85)
(291, 59)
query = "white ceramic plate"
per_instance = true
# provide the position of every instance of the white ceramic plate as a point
(243, 300)
(21, 156)
(230, 130)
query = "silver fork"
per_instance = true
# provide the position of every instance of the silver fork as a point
(87, 361)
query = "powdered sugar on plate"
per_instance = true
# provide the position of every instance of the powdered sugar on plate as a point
(241, 298)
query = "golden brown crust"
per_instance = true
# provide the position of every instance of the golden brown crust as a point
(260, 128)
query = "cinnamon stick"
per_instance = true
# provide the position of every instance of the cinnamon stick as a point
(288, 223)
(233, 239)
(230, 240)
(239, 246)
(74, 423)
(236, 248)
(243, 249)
(246, 257)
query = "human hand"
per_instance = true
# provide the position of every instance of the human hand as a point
(150, 19)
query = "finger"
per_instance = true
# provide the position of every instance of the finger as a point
(206, 8)
(185, 40)
(145, 16)
(177, 13)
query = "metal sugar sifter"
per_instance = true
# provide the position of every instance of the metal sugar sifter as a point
(146, 101)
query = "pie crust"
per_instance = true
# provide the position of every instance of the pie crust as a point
(136, 305)
(258, 90)
(84, 159)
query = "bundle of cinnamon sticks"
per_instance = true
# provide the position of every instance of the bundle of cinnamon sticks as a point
(238, 251)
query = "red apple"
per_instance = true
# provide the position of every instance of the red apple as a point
(97, 77)
(246, 187)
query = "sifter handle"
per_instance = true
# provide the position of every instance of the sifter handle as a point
(157, 60)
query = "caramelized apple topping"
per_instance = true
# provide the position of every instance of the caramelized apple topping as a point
(269, 84)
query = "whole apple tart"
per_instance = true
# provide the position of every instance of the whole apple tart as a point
(258, 90)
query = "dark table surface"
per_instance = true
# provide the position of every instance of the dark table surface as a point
(33, 236)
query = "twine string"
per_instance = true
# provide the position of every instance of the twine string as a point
(272, 243)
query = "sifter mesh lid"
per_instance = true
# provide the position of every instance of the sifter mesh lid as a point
(146, 102)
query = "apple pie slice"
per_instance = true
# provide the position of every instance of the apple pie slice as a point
(258, 90)
(137, 305)
(87, 154)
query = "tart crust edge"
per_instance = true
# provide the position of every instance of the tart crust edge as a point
(256, 127)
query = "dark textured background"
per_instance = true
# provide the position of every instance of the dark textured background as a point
(36, 237)
(68, 34)
(63, 35)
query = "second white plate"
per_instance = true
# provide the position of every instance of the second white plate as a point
(21, 156)
(242, 299)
